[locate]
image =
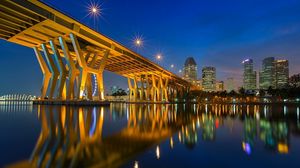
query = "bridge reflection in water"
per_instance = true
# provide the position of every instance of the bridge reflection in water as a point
(73, 136)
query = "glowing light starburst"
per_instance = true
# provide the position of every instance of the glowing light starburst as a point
(138, 41)
(94, 9)
(158, 56)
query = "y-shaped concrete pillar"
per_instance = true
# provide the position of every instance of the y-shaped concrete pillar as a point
(89, 79)
(132, 89)
(164, 88)
(142, 89)
(46, 72)
(82, 64)
(62, 70)
(148, 88)
(73, 71)
(53, 70)
(155, 89)
(99, 75)
(85, 69)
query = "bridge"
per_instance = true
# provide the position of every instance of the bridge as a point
(70, 54)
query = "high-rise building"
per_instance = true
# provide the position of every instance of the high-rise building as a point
(229, 84)
(219, 86)
(199, 84)
(294, 80)
(249, 75)
(190, 70)
(209, 78)
(281, 74)
(267, 73)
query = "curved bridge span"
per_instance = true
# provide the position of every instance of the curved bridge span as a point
(70, 53)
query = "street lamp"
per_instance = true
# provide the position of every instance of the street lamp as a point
(172, 66)
(158, 57)
(94, 10)
(138, 42)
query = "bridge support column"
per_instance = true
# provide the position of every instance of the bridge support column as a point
(132, 89)
(164, 89)
(46, 72)
(85, 70)
(100, 75)
(73, 71)
(89, 91)
(155, 89)
(53, 70)
(142, 89)
(148, 89)
(62, 70)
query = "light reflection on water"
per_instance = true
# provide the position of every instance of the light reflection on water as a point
(153, 135)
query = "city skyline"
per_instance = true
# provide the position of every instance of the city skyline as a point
(280, 42)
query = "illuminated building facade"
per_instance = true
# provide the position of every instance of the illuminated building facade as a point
(219, 86)
(209, 78)
(281, 74)
(294, 80)
(249, 76)
(190, 70)
(267, 73)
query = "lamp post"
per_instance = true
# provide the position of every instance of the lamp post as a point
(158, 57)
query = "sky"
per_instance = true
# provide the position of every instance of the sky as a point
(216, 33)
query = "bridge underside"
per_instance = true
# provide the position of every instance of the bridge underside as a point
(73, 57)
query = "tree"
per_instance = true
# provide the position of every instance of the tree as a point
(232, 93)
(120, 92)
(270, 91)
(262, 93)
(242, 91)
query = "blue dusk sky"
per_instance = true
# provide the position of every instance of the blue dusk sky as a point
(218, 33)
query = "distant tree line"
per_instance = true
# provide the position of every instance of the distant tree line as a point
(119, 92)
(284, 93)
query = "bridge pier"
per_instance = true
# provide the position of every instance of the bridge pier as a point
(46, 72)
(149, 87)
(74, 77)
(62, 72)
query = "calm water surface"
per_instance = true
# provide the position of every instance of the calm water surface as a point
(147, 136)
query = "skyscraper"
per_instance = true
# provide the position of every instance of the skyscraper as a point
(229, 84)
(267, 73)
(281, 74)
(219, 86)
(209, 78)
(190, 69)
(249, 75)
(294, 80)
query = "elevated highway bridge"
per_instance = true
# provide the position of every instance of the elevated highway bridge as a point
(70, 54)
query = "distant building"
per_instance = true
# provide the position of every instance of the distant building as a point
(249, 76)
(294, 80)
(190, 70)
(219, 86)
(281, 74)
(229, 84)
(209, 78)
(199, 84)
(267, 73)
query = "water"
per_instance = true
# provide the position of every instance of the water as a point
(150, 135)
